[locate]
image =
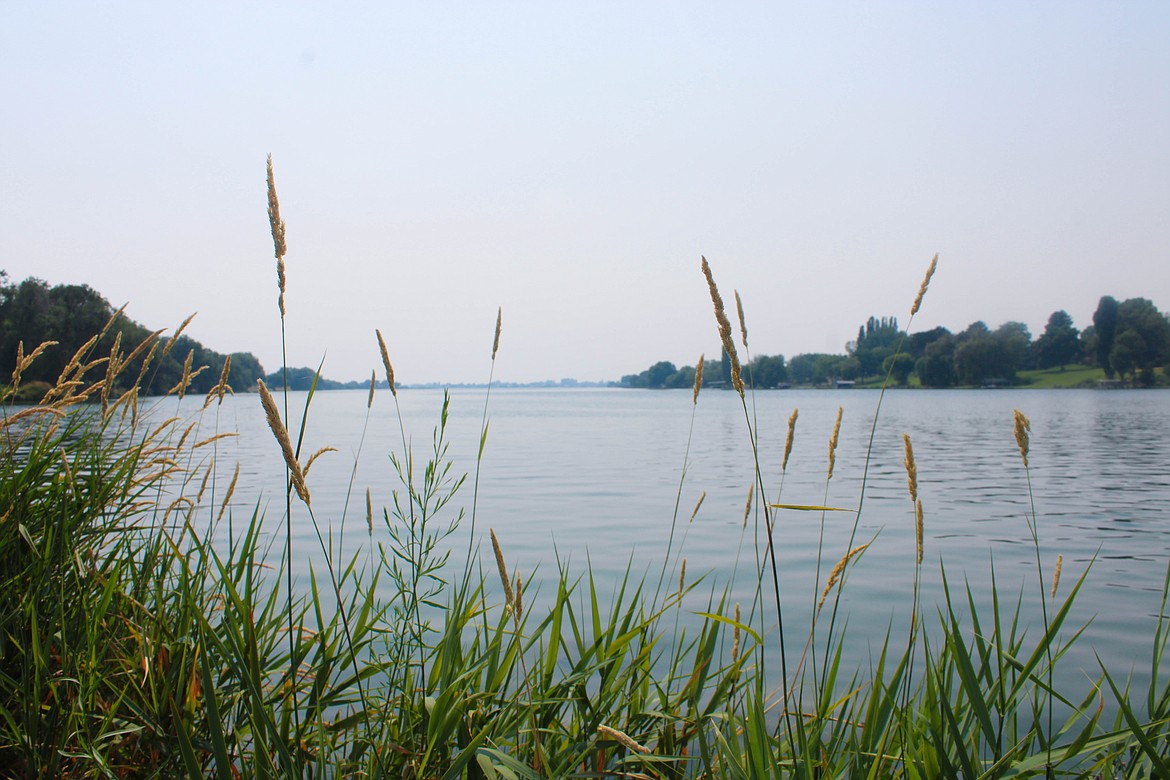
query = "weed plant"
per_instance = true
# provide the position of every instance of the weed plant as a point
(134, 644)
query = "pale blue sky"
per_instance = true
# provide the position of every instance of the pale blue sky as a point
(570, 163)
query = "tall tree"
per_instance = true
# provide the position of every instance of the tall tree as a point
(1059, 343)
(1105, 323)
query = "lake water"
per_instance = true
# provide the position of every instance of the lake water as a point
(591, 476)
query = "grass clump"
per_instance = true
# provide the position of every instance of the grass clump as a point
(138, 639)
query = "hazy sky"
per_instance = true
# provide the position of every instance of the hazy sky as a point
(570, 162)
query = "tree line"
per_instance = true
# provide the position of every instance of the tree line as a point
(32, 312)
(1129, 340)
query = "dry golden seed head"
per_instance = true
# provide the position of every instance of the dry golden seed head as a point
(518, 606)
(227, 499)
(369, 512)
(274, 220)
(386, 362)
(1023, 427)
(185, 380)
(373, 384)
(724, 328)
(280, 283)
(788, 441)
(911, 468)
(110, 322)
(1056, 574)
(75, 361)
(621, 738)
(925, 284)
(698, 379)
(747, 509)
(833, 441)
(212, 439)
(315, 455)
(698, 504)
(178, 332)
(505, 580)
(742, 326)
(496, 338)
(835, 574)
(918, 528)
(682, 575)
(281, 434)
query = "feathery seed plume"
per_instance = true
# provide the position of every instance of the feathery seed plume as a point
(911, 468)
(833, 441)
(724, 329)
(386, 362)
(682, 575)
(178, 332)
(835, 574)
(739, 311)
(747, 510)
(502, 568)
(788, 441)
(227, 499)
(621, 738)
(518, 606)
(698, 379)
(315, 455)
(924, 285)
(1056, 574)
(1023, 426)
(281, 434)
(698, 504)
(277, 226)
(185, 380)
(496, 339)
(373, 381)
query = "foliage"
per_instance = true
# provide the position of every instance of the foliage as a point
(33, 313)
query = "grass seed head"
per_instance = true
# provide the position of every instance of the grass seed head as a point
(505, 580)
(838, 570)
(788, 441)
(1023, 427)
(833, 441)
(911, 468)
(281, 434)
(925, 284)
(1056, 574)
(698, 379)
(724, 328)
(742, 326)
(621, 738)
(386, 362)
(496, 338)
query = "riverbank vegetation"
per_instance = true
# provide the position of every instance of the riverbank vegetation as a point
(1128, 344)
(151, 625)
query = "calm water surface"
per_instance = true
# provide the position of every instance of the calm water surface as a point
(591, 477)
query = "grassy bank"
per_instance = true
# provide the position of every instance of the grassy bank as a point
(132, 645)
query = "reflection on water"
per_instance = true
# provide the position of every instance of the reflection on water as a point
(592, 476)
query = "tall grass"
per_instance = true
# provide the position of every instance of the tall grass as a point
(137, 640)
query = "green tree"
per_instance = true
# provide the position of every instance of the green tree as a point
(936, 367)
(899, 366)
(1105, 325)
(1059, 344)
(767, 371)
(1152, 345)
